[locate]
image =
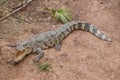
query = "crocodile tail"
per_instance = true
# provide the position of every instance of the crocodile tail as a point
(92, 29)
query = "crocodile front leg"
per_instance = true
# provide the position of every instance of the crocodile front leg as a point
(39, 56)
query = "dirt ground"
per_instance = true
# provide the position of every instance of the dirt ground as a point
(82, 57)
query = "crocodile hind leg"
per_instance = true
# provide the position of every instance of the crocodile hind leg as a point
(58, 44)
(58, 47)
(39, 56)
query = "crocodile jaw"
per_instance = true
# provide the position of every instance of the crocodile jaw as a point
(20, 55)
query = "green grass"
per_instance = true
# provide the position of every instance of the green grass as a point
(62, 15)
(44, 67)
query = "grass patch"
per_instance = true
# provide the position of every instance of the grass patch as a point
(44, 67)
(62, 15)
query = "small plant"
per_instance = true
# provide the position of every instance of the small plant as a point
(20, 20)
(44, 67)
(61, 14)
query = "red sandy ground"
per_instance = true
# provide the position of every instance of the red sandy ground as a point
(83, 56)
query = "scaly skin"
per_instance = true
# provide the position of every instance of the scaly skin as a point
(53, 38)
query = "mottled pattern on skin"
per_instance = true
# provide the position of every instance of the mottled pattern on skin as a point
(54, 38)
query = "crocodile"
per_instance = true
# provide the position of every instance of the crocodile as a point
(54, 38)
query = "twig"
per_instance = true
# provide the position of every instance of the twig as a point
(23, 5)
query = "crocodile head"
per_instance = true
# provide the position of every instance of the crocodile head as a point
(23, 50)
